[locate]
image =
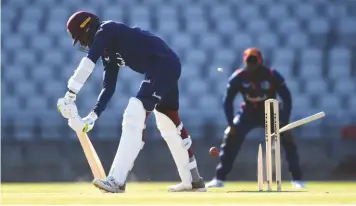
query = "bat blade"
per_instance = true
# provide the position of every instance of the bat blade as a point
(91, 155)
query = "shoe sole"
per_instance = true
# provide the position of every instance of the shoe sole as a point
(105, 191)
(215, 186)
(191, 190)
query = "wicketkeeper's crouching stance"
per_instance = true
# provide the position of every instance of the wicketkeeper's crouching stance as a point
(256, 83)
(120, 45)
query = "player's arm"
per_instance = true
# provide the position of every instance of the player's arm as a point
(87, 64)
(284, 93)
(109, 85)
(230, 93)
(66, 105)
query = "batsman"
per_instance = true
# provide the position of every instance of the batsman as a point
(256, 83)
(119, 45)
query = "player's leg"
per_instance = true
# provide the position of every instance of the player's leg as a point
(178, 141)
(131, 142)
(230, 147)
(292, 157)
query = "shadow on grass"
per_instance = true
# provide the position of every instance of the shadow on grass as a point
(254, 191)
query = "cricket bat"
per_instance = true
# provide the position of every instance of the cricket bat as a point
(91, 155)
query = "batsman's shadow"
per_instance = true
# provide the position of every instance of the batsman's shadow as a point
(255, 191)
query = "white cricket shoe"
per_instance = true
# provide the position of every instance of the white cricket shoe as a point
(197, 186)
(298, 184)
(109, 185)
(215, 183)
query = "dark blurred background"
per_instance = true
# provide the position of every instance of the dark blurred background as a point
(311, 42)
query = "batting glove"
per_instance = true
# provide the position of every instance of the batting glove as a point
(83, 125)
(89, 121)
(66, 105)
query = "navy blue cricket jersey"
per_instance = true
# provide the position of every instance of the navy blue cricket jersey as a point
(256, 88)
(120, 45)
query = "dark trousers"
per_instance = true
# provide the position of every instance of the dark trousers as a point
(244, 122)
(160, 87)
(159, 90)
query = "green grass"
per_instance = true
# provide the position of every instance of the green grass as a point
(156, 193)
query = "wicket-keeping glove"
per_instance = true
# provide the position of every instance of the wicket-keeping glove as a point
(66, 105)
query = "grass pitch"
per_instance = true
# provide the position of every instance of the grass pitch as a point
(156, 193)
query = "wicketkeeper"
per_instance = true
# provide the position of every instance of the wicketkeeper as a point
(256, 83)
(120, 45)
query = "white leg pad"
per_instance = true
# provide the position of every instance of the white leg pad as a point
(177, 145)
(131, 143)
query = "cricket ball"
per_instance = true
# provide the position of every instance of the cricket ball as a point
(213, 151)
